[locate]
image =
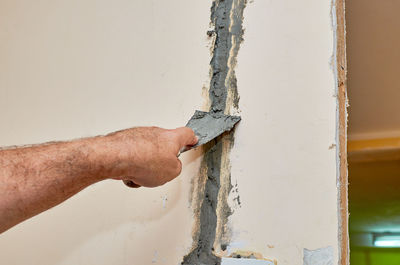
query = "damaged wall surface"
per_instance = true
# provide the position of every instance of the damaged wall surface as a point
(284, 158)
(265, 193)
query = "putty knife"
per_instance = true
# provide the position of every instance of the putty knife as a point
(209, 125)
(206, 126)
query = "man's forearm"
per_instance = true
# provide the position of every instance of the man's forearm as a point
(34, 179)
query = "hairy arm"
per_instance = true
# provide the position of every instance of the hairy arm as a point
(34, 179)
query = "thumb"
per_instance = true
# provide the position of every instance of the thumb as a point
(185, 137)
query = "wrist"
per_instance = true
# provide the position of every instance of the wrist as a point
(92, 164)
(105, 157)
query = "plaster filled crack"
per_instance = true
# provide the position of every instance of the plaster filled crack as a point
(212, 233)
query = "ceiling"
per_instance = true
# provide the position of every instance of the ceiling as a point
(373, 52)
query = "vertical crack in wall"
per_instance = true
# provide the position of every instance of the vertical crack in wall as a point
(211, 233)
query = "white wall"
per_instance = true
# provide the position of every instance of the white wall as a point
(284, 160)
(78, 68)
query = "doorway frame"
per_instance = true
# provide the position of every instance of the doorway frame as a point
(341, 78)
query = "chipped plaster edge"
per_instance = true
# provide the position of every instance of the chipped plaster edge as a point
(339, 64)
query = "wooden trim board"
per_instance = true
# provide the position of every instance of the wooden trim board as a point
(341, 65)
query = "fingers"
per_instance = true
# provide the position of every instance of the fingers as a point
(185, 137)
(173, 171)
(178, 168)
(157, 149)
(169, 171)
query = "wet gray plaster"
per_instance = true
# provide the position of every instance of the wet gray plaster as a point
(227, 18)
(208, 125)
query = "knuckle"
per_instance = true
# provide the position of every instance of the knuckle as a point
(188, 131)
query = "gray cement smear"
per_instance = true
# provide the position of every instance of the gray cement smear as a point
(321, 256)
(227, 18)
(209, 125)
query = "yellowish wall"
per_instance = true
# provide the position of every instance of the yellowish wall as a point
(371, 256)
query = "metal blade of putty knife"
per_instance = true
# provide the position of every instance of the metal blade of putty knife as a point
(206, 126)
(209, 125)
